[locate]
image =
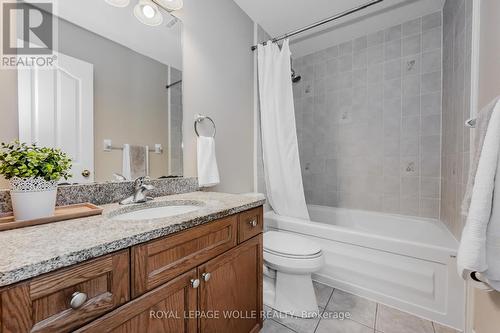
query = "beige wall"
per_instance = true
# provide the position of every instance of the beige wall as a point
(487, 311)
(489, 71)
(487, 307)
(130, 99)
(218, 82)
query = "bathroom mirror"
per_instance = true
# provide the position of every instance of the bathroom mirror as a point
(116, 82)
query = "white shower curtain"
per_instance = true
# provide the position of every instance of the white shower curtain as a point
(283, 176)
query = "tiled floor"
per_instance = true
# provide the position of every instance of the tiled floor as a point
(366, 317)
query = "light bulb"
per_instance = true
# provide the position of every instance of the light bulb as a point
(148, 11)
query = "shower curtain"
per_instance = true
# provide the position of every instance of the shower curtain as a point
(283, 176)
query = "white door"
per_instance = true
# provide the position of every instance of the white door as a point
(56, 109)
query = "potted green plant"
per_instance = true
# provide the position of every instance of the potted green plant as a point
(33, 173)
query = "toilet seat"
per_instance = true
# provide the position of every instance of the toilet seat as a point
(291, 253)
(285, 255)
(290, 245)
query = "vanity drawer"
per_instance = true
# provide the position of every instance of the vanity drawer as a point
(159, 261)
(43, 304)
(250, 224)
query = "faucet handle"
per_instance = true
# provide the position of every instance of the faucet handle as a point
(140, 181)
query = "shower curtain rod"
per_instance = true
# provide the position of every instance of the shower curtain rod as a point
(319, 23)
(173, 84)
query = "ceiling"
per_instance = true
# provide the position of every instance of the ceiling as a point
(278, 17)
(120, 25)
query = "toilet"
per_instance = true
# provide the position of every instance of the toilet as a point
(289, 261)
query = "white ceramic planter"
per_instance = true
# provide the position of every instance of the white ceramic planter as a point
(33, 198)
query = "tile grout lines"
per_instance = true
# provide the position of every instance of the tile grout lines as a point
(325, 309)
(288, 328)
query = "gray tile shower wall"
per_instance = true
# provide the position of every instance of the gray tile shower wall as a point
(369, 120)
(105, 193)
(457, 49)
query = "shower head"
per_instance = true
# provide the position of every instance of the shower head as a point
(295, 78)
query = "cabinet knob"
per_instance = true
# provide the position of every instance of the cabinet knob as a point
(206, 276)
(253, 223)
(195, 283)
(77, 300)
(86, 173)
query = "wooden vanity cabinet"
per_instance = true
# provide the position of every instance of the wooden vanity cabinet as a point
(158, 261)
(233, 290)
(160, 310)
(250, 224)
(228, 300)
(42, 304)
(207, 279)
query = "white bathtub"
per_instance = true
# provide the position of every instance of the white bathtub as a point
(404, 262)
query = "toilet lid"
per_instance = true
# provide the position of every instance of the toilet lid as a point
(289, 244)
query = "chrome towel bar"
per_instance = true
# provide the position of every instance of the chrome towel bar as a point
(108, 146)
(198, 119)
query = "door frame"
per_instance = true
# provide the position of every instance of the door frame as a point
(474, 106)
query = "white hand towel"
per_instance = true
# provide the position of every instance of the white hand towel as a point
(135, 161)
(480, 244)
(208, 172)
(126, 162)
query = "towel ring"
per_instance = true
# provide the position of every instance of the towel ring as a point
(199, 119)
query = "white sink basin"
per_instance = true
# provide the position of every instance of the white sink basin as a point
(156, 213)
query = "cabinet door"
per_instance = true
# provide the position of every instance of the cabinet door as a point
(157, 262)
(66, 299)
(170, 308)
(250, 223)
(231, 296)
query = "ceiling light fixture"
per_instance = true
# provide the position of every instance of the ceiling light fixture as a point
(148, 13)
(170, 5)
(118, 3)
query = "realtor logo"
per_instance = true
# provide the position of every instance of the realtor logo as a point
(28, 34)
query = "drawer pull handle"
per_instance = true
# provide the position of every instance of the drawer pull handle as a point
(77, 300)
(253, 223)
(195, 283)
(206, 276)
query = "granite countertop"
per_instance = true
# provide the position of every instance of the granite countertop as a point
(32, 251)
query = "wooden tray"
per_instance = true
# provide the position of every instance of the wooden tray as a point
(7, 221)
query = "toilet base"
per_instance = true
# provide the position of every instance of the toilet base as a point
(292, 294)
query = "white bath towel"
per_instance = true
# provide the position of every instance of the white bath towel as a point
(479, 249)
(135, 162)
(208, 172)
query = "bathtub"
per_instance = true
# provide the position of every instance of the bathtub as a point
(404, 262)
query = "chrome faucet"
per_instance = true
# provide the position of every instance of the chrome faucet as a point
(141, 189)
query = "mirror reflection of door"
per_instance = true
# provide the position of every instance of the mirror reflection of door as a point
(56, 109)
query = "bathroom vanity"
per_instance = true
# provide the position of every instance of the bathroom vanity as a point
(195, 272)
